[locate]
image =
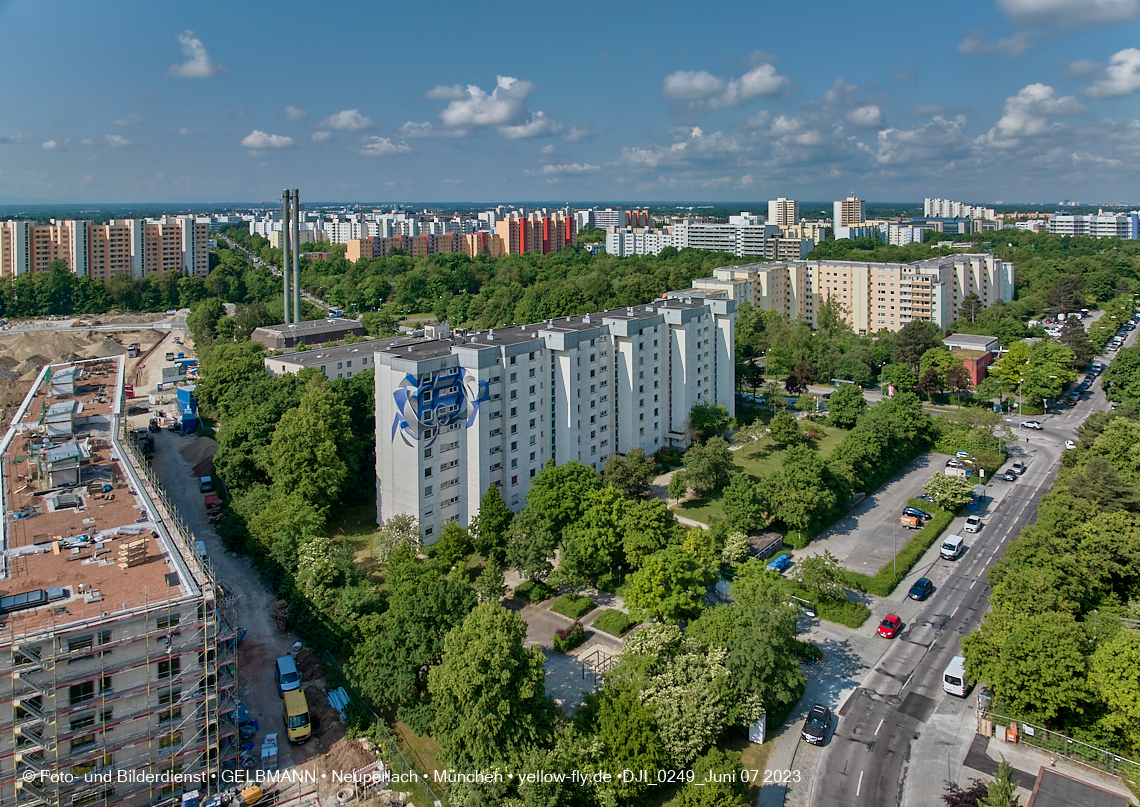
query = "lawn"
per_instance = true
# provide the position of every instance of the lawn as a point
(758, 459)
(356, 526)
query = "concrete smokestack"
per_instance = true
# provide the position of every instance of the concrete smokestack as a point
(285, 199)
(296, 255)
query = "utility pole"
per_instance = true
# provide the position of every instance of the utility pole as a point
(285, 200)
(296, 256)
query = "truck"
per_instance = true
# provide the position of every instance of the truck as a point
(132, 350)
(910, 522)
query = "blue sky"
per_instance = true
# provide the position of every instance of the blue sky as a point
(984, 100)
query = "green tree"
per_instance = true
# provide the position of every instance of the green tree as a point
(899, 376)
(631, 474)
(1101, 484)
(647, 527)
(846, 405)
(1076, 338)
(742, 504)
(822, 576)
(708, 466)
(397, 530)
(802, 492)
(558, 495)
(592, 547)
(489, 691)
(806, 403)
(950, 492)
(617, 717)
(1114, 675)
(1000, 792)
(492, 524)
(313, 449)
(913, 340)
(489, 585)
(800, 377)
(1121, 381)
(707, 420)
(531, 545)
(735, 548)
(1041, 670)
(668, 586)
(453, 546)
(785, 430)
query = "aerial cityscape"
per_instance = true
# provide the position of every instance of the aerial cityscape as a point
(623, 407)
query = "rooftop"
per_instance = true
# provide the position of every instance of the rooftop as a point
(970, 340)
(1054, 789)
(315, 357)
(66, 530)
(314, 326)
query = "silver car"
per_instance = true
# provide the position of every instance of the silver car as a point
(973, 524)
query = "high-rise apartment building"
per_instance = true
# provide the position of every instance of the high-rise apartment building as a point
(782, 286)
(455, 416)
(535, 233)
(783, 212)
(117, 648)
(1099, 226)
(849, 212)
(131, 247)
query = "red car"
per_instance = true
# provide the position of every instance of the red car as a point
(890, 625)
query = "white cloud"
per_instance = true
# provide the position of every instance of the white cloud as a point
(1121, 77)
(349, 120)
(184, 132)
(411, 129)
(116, 141)
(292, 113)
(320, 137)
(869, 116)
(53, 145)
(1027, 114)
(198, 63)
(382, 147)
(87, 142)
(441, 93)
(258, 139)
(538, 126)
(548, 149)
(128, 120)
(1068, 14)
(579, 134)
(569, 168)
(1013, 46)
(1084, 68)
(939, 140)
(505, 106)
(702, 88)
(11, 139)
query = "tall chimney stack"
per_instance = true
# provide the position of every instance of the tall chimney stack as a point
(296, 255)
(285, 200)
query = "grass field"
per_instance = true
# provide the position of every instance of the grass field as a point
(758, 459)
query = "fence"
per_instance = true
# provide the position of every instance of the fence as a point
(393, 756)
(1101, 759)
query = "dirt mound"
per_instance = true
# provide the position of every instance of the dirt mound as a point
(347, 755)
(308, 665)
(325, 719)
(7, 375)
(205, 467)
(315, 696)
(199, 449)
(35, 363)
(9, 363)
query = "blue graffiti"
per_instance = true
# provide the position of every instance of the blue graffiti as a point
(427, 405)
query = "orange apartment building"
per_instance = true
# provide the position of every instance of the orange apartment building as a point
(543, 234)
(131, 247)
(419, 246)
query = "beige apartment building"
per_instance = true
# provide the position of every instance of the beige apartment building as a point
(117, 646)
(872, 296)
(783, 212)
(132, 247)
(849, 212)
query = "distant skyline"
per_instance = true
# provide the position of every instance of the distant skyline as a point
(127, 103)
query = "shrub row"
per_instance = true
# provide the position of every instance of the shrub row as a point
(573, 606)
(566, 639)
(614, 622)
(533, 591)
(883, 583)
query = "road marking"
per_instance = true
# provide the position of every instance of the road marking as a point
(879, 726)
(860, 785)
(973, 584)
(907, 681)
(955, 611)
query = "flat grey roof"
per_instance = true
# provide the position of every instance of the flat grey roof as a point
(978, 340)
(1055, 789)
(314, 326)
(317, 356)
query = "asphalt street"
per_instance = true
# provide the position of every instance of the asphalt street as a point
(868, 758)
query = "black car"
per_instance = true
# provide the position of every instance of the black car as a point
(914, 511)
(1008, 476)
(921, 589)
(817, 723)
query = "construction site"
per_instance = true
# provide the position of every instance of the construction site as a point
(117, 646)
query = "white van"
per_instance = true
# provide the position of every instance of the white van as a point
(954, 679)
(952, 547)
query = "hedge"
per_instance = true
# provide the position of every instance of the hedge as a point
(883, 583)
(566, 639)
(533, 591)
(851, 613)
(573, 606)
(614, 622)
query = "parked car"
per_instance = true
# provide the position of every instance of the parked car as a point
(1070, 445)
(914, 511)
(1018, 467)
(921, 589)
(962, 454)
(890, 626)
(817, 724)
(1032, 424)
(927, 499)
(973, 524)
(1008, 476)
(780, 562)
(953, 463)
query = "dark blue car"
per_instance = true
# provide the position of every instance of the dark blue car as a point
(921, 589)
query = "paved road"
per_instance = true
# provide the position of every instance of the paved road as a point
(870, 759)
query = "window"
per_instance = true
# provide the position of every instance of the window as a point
(169, 716)
(427, 453)
(532, 389)
(514, 394)
(428, 490)
(532, 472)
(513, 359)
(515, 428)
(532, 406)
(514, 480)
(515, 463)
(514, 412)
(429, 530)
(448, 465)
(167, 622)
(451, 501)
(532, 423)
(106, 684)
(81, 693)
(80, 643)
(427, 473)
(532, 438)
(514, 445)
(169, 668)
(531, 370)
(83, 721)
(168, 741)
(532, 456)
(169, 696)
(531, 356)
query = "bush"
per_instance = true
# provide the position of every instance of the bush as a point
(883, 583)
(850, 613)
(534, 591)
(573, 606)
(797, 539)
(614, 622)
(567, 639)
